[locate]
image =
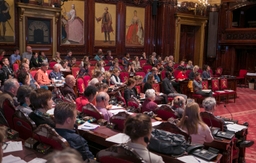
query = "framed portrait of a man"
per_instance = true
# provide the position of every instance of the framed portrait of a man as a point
(135, 26)
(72, 23)
(105, 24)
(7, 21)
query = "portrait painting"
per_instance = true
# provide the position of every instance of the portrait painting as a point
(105, 24)
(7, 21)
(135, 25)
(72, 22)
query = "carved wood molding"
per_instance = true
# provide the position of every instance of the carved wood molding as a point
(240, 35)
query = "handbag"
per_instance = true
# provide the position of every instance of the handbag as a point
(167, 143)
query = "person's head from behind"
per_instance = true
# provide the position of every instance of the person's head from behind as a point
(150, 94)
(131, 82)
(67, 155)
(41, 99)
(150, 79)
(179, 102)
(191, 118)
(11, 86)
(102, 99)
(101, 87)
(168, 74)
(209, 104)
(70, 80)
(65, 115)
(23, 78)
(23, 94)
(2, 138)
(90, 93)
(138, 128)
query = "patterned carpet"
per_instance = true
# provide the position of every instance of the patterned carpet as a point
(243, 110)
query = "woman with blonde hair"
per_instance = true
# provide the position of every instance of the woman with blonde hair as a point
(192, 123)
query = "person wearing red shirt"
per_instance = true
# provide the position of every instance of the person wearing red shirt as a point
(149, 104)
(89, 96)
(182, 75)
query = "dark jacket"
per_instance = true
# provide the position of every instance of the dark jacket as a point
(167, 86)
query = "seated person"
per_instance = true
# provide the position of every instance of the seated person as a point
(168, 88)
(191, 75)
(102, 99)
(7, 70)
(102, 87)
(23, 78)
(68, 89)
(35, 61)
(190, 65)
(56, 75)
(169, 66)
(89, 96)
(126, 60)
(139, 128)
(149, 104)
(178, 105)
(129, 91)
(65, 114)
(131, 69)
(197, 86)
(115, 65)
(136, 63)
(181, 66)
(115, 77)
(23, 95)
(41, 102)
(41, 76)
(192, 123)
(209, 105)
(57, 57)
(154, 73)
(72, 63)
(182, 74)
(98, 76)
(64, 65)
(206, 72)
(84, 70)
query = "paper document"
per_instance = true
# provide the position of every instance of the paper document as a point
(37, 160)
(13, 146)
(116, 111)
(206, 90)
(235, 127)
(156, 123)
(119, 138)
(116, 107)
(88, 126)
(11, 159)
(192, 159)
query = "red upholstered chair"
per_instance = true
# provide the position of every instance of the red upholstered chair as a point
(156, 87)
(49, 71)
(218, 71)
(106, 68)
(23, 124)
(86, 79)
(197, 96)
(120, 153)
(146, 68)
(163, 75)
(140, 73)
(224, 86)
(175, 73)
(134, 104)
(8, 112)
(200, 71)
(51, 64)
(78, 63)
(173, 128)
(15, 67)
(216, 90)
(91, 70)
(175, 65)
(33, 73)
(119, 120)
(91, 110)
(138, 88)
(143, 62)
(124, 76)
(165, 112)
(121, 67)
(205, 84)
(188, 72)
(93, 62)
(211, 120)
(241, 77)
(75, 71)
(80, 85)
(47, 135)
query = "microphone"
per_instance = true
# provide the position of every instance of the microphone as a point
(229, 112)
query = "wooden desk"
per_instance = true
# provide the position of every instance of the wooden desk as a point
(26, 154)
(99, 135)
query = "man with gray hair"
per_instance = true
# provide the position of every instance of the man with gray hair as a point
(149, 104)
(102, 99)
(209, 104)
(10, 89)
(56, 73)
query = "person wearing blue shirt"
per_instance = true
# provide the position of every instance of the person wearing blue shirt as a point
(99, 55)
(16, 56)
(56, 74)
(154, 72)
(65, 117)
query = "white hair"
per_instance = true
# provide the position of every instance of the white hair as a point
(209, 103)
(150, 93)
(57, 65)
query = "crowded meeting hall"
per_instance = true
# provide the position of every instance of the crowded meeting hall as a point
(128, 81)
